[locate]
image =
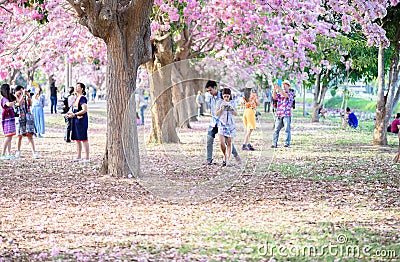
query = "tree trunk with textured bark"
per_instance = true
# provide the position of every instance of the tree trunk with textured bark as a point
(317, 90)
(12, 73)
(319, 96)
(380, 137)
(162, 111)
(125, 28)
(385, 103)
(182, 91)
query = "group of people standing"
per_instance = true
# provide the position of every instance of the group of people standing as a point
(19, 120)
(223, 110)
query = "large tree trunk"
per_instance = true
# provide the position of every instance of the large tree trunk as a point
(385, 103)
(317, 90)
(183, 95)
(380, 137)
(182, 91)
(163, 121)
(394, 81)
(319, 96)
(125, 28)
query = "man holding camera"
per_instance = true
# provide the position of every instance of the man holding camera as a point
(283, 112)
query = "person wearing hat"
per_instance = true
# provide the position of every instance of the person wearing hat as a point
(283, 112)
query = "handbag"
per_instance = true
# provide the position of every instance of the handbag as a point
(27, 119)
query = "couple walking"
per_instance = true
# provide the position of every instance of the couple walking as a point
(222, 122)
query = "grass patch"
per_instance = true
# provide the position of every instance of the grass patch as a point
(324, 241)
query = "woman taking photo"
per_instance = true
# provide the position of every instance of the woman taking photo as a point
(80, 122)
(7, 120)
(25, 125)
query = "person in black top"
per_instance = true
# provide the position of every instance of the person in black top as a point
(53, 97)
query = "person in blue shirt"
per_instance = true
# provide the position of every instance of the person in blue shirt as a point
(351, 118)
(216, 96)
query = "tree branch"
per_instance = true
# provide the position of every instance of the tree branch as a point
(200, 51)
(161, 38)
(77, 6)
(21, 42)
(6, 9)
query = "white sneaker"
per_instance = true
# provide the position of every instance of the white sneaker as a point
(5, 157)
(85, 160)
(35, 155)
(17, 154)
(76, 160)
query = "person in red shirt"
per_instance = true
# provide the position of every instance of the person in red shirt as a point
(395, 124)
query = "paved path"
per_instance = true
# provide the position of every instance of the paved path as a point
(98, 104)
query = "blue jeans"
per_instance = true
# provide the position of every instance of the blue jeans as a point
(53, 100)
(279, 122)
(212, 131)
(142, 108)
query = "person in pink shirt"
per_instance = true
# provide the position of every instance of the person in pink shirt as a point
(283, 114)
(395, 124)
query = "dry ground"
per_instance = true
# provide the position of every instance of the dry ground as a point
(330, 191)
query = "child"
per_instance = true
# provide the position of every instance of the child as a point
(225, 110)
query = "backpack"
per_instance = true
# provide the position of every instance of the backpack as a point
(65, 105)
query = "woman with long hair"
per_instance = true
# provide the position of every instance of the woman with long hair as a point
(8, 100)
(226, 110)
(250, 102)
(80, 122)
(25, 125)
(38, 102)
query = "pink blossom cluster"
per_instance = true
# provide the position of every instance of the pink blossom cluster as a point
(25, 44)
(274, 36)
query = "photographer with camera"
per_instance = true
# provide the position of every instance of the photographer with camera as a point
(226, 110)
(25, 125)
(283, 112)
